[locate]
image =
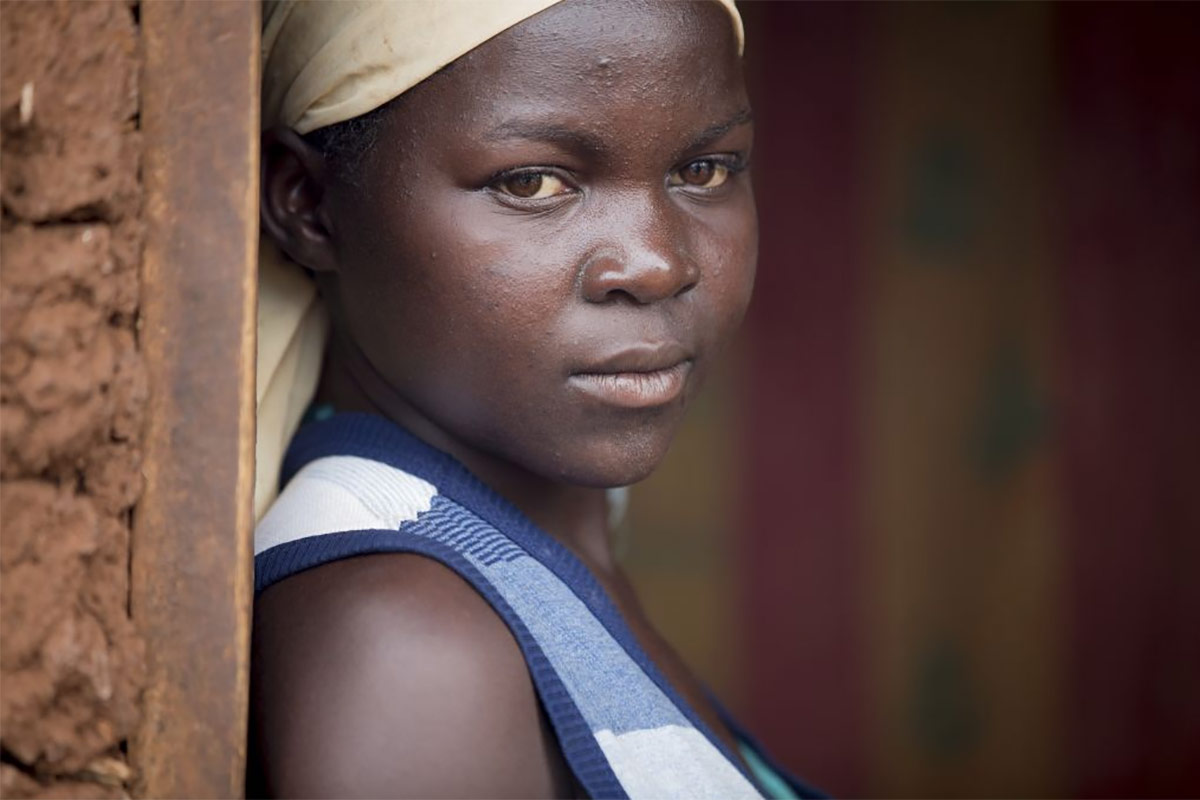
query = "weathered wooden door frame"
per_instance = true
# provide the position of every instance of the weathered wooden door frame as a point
(191, 551)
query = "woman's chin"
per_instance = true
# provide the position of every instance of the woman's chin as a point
(615, 461)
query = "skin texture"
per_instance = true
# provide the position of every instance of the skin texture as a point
(568, 199)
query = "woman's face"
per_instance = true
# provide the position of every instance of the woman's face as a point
(551, 240)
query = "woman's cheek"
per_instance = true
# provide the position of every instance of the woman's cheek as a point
(735, 255)
(747, 262)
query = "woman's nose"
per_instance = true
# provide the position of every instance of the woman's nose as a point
(648, 264)
(643, 257)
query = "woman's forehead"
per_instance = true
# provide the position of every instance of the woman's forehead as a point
(627, 25)
(580, 59)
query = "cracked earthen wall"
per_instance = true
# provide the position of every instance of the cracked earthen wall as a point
(73, 394)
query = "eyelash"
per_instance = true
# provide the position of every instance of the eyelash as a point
(732, 163)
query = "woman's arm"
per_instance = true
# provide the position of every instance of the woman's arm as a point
(389, 676)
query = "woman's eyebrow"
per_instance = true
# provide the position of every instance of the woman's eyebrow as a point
(714, 132)
(588, 144)
(578, 141)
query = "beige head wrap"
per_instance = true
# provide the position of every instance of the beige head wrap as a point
(324, 62)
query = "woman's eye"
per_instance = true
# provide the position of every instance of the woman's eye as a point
(532, 185)
(702, 174)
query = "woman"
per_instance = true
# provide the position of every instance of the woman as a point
(529, 259)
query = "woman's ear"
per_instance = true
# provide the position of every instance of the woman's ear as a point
(294, 175)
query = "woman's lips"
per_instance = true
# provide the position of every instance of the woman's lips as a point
(641, 389)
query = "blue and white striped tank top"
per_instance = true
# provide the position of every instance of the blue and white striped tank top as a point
(358, 484)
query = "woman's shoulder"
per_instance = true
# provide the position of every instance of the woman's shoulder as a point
(389, 675)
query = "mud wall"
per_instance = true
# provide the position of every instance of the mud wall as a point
(72, 395)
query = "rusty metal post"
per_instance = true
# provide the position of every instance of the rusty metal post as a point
(191, 581)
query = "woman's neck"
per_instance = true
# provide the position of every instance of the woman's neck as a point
(576, 516)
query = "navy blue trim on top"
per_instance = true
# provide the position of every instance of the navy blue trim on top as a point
(579, 746)
(379, 439)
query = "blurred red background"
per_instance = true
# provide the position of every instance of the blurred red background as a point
(933, 532)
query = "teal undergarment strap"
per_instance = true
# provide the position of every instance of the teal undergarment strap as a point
(768, 779)
(318, 412)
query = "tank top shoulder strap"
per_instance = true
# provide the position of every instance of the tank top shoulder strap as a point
(357, 484)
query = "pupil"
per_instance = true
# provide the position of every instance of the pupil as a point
(700, 172)
(525, 185)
